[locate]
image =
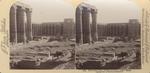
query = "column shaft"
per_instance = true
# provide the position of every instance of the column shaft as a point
(79, 35)
(13, 25)
(86, 28)
(21, 25)
(94, 26)
(29, 25)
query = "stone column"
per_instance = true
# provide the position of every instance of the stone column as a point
(51, 33)
(79, 35)
(21, 25)
(86, 28)
(94, 25)
(48, 29)
(29, 25)
(13, 25)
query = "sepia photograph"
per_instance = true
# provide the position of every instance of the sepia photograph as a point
(42, 35)
(60, 34)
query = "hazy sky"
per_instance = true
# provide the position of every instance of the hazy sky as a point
(108, 10)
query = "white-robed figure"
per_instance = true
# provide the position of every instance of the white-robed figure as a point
(49, 56)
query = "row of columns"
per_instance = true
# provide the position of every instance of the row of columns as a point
(85, 31)
(20, 24)
(130, 30)
(47, 29)
(117, 29)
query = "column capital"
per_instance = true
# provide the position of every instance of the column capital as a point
(20, 8)
(29, 10)
(94, 11)
(79, 10)
(14, 6)
(86, 9)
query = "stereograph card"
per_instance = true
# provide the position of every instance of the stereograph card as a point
(74, 36)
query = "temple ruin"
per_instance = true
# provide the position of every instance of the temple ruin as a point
(20, 23)
(86, 32)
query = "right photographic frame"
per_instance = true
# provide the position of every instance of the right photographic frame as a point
(108, 35)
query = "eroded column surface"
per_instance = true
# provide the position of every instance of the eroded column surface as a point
(86, 28)
(21, 34)
(94, 33)
(79, 35)
(13, 25)
(29, 25)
